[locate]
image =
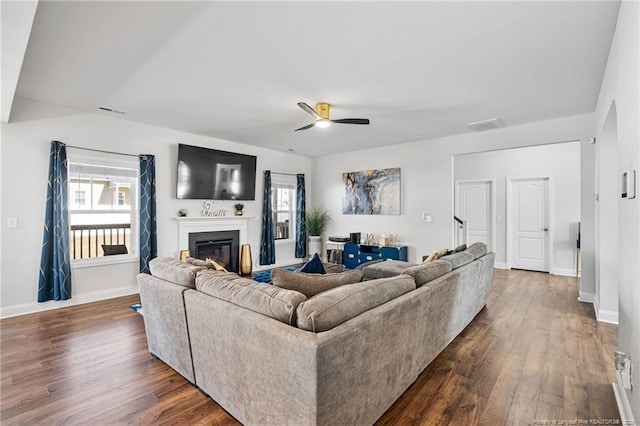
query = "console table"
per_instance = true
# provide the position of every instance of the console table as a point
(356, 254)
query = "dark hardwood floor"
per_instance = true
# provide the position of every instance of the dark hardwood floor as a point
(534, 353)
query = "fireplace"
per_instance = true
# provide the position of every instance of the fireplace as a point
(221, 246)
(200, 228)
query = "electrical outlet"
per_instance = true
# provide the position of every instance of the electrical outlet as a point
(12, 222)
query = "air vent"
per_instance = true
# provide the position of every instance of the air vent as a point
(111, 110)
(481, 126)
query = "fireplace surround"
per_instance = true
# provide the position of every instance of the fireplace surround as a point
(214, 234)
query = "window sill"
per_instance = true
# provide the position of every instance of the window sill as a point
(104, 261)
(287, 241)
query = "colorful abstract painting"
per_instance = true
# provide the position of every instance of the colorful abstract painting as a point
(371, 192)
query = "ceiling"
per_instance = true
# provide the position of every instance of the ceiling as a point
(235, 70)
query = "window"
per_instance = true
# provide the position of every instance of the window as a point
(102, 215)
(80, 198)
(283, 203)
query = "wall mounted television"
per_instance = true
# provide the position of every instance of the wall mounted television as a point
(211, 174)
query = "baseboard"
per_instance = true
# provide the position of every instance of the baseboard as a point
(33, 307)
(624, 407)
(586, 297)
(564, 272)
(603, 315)
(500, 265)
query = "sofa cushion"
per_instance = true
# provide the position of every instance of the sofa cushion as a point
(428, 271)
(333, 307)
(477, 249)
(385, 269)
(199, 262)
(312, 284)
(313, 266)
(459, 259)
(175, 271)
(274, 302)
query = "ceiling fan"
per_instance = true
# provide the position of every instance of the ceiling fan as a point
(321, 114)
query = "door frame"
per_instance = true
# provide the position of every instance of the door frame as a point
(551, 213)
(492, 185)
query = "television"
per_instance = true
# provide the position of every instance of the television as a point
(211, 174)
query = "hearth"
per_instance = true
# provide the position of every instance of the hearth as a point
(221, 246)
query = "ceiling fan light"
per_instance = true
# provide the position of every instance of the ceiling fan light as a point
(322, 123)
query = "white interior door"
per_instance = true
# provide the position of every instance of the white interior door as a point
(529, 224)
(474, 203)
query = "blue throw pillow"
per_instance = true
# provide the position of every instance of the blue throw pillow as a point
(313, 266)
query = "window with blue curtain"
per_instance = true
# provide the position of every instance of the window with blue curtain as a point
(148, 218)
(267, 244)
(301, 213)
(54, 280)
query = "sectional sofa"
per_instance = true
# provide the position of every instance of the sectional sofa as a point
(273, 356)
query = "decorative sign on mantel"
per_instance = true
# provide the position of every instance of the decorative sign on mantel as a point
(208, 211)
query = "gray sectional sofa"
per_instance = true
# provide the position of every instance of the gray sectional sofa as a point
(273, 356)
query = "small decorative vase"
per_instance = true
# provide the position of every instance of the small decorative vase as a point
(238, 212)
(315, 246)
(245, 259)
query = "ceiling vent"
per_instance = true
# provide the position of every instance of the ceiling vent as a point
(481, 126)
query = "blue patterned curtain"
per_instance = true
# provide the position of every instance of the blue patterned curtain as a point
(148, 235)
(301, 214)
(268, 246)
(54, 281)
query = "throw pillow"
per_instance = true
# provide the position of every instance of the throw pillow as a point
(436, 255)
(199, 262)
(312, 284)
(216, 265)
(313, 266)
(461, 247)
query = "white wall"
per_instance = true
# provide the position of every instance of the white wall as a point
(621, 86)
(561, 163)
(587, 215)
(427, 179)
(25, 151)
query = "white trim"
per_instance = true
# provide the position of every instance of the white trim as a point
(550, 213)
(622, 401)
(563, 271)
(187, 225)
(586, 297)
(500, 265)
(32, 307)
(602, 315)
(90, 262)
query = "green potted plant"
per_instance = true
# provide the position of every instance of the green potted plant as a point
(317, 221)
(239, 208)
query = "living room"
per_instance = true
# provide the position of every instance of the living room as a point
(426, 163)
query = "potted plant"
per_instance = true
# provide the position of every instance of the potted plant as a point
(317, 221)
(239, 208)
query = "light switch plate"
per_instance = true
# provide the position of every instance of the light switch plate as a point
(12, 222)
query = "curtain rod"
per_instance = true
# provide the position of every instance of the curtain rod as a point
(287, 174)
(103, 151)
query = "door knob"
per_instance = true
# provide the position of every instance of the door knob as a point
(546, 229)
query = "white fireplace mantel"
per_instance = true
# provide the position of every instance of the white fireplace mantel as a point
(187, 225)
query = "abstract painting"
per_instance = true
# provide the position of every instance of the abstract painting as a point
(371, 192)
